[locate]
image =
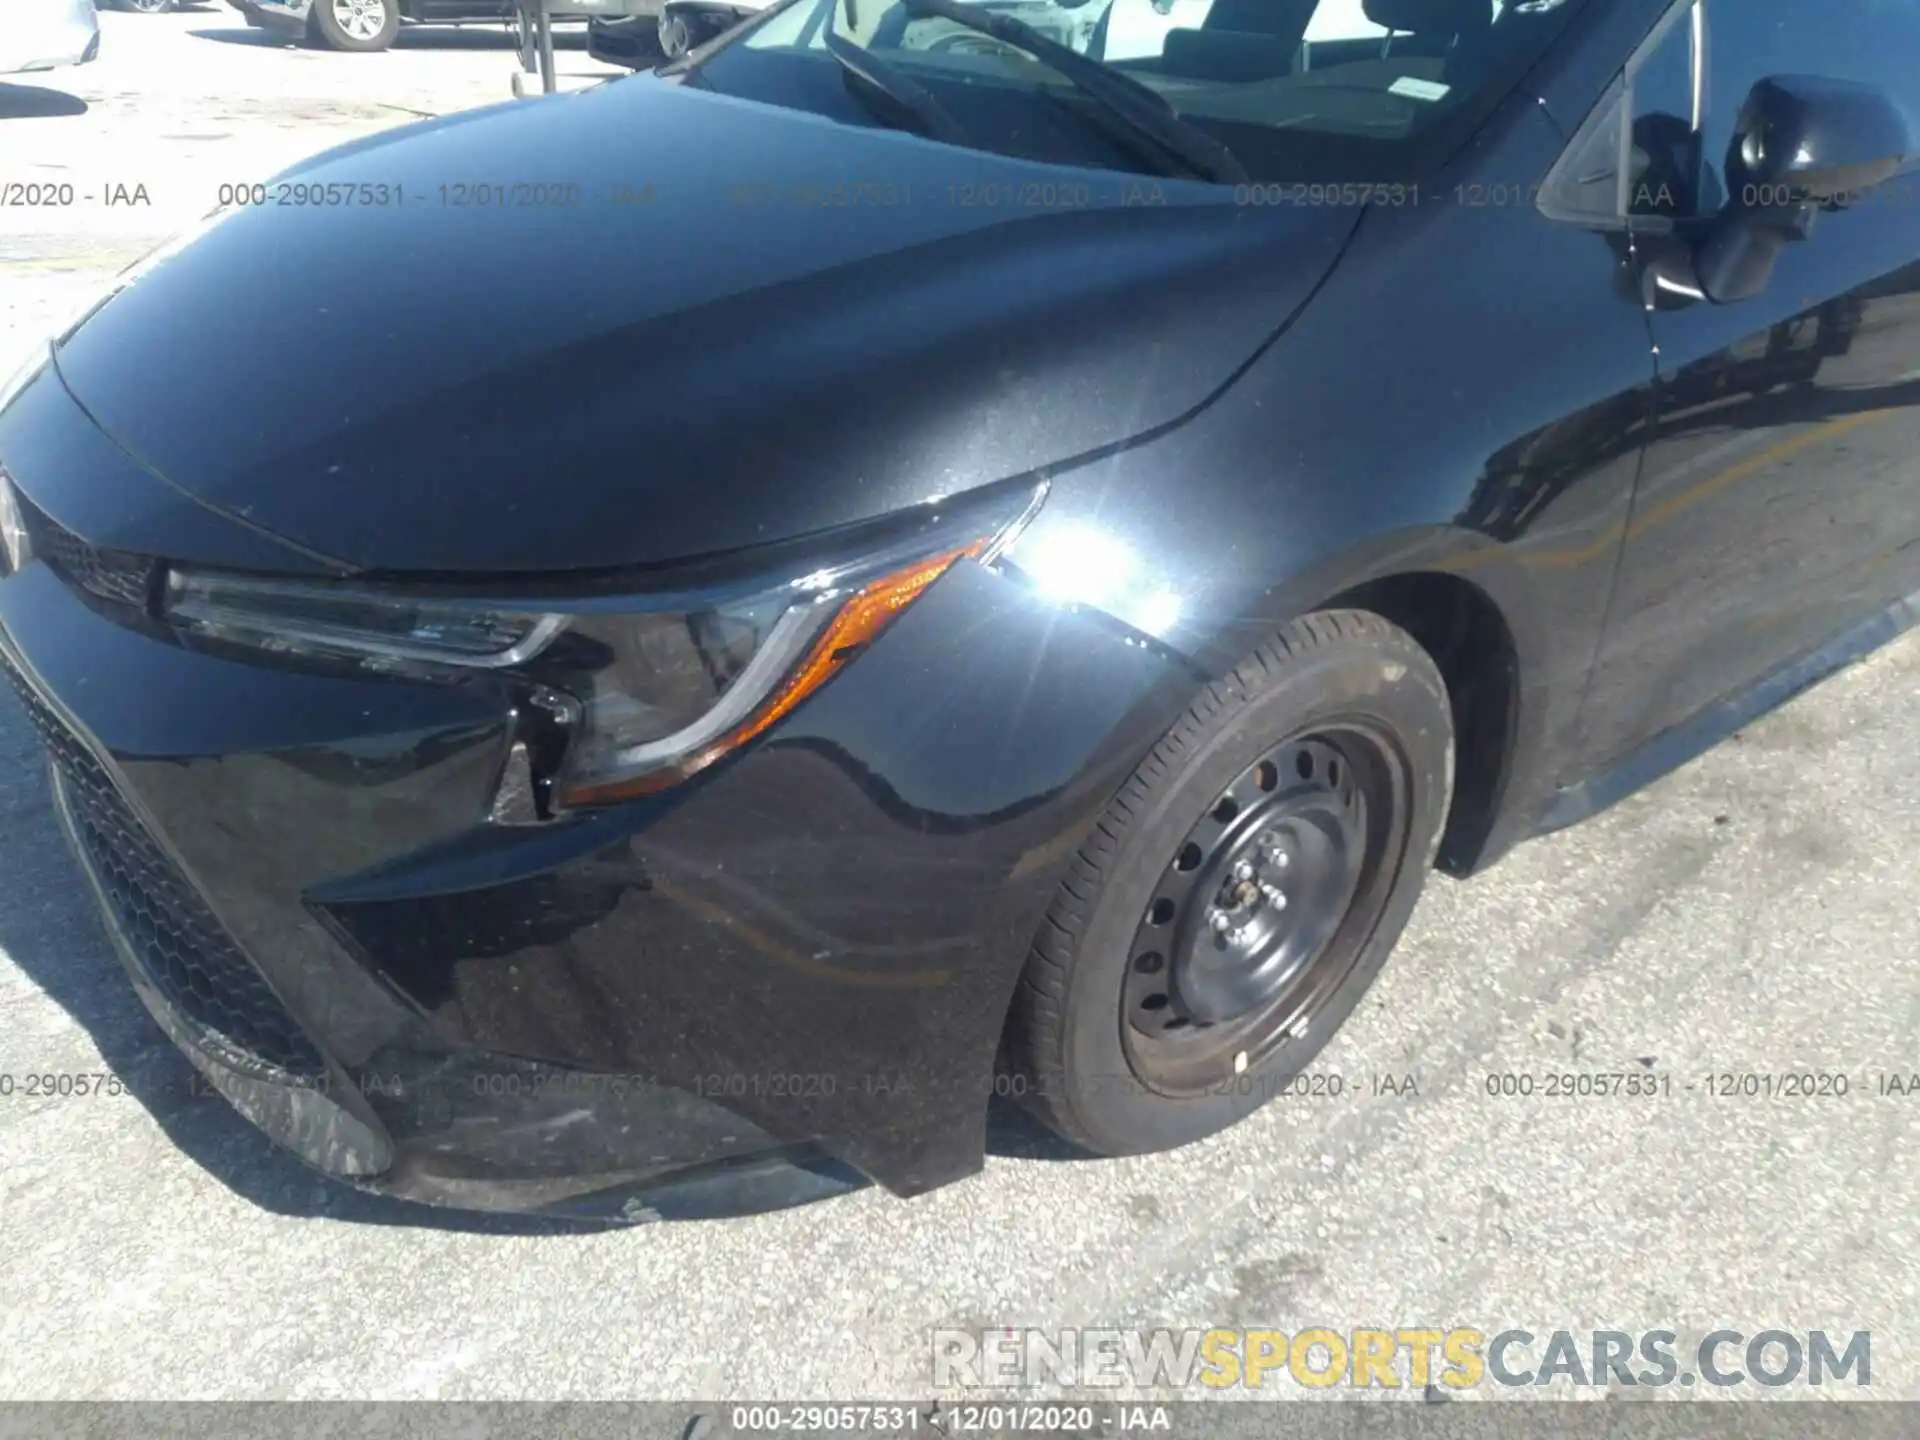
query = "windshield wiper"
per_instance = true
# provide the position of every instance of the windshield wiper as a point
(907, 94)
(1144, 109)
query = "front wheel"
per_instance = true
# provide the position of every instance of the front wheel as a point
(146, 7)
(356, 25)
(1241, 892)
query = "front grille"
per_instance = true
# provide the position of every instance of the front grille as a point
(187, 955)
(112, 575)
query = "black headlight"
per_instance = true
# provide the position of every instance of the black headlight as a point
(658, 686)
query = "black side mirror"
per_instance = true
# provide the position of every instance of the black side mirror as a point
(1801, 144)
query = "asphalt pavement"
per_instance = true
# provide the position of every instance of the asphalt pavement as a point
(1753, 914)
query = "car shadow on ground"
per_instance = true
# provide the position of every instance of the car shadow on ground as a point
(37, 102)
(478, 37)
(253, 39)
(1013, 1134)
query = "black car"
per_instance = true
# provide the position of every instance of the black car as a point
(854, 575)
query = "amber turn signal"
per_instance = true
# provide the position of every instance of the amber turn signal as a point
(860, 620)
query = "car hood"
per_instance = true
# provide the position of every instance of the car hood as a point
(644, 322)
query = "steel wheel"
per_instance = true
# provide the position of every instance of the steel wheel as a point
(1239, 893)
(1241, 941)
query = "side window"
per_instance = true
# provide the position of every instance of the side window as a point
(1637, 153)
(1138, 29)
(1587, 185)
(1666, 179)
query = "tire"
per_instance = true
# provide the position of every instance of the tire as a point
(360, 26)
(146, 7)
(1334, 744)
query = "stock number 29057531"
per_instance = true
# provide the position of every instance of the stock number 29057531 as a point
(317, 194)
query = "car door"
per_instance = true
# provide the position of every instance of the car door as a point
(1778, 507)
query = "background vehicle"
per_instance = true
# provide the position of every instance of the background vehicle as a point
(680, 26)
(369, 25)
(47, 34)
(1124, 29)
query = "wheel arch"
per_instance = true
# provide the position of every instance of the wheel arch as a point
(1475, 608)
(1465, 632)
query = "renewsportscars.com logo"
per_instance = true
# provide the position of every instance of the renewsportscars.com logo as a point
(1457, 1358)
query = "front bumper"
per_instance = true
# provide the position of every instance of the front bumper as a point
(781, 979)
(416, 1119)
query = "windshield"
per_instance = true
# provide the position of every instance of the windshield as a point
(1321, 90)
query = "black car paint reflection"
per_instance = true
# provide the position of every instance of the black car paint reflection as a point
(1619, 526)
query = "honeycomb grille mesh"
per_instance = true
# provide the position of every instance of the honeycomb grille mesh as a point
(110, 574)
(187, 955)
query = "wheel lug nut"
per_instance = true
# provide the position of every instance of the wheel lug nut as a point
(1276, 897)
(1243, 871)
(1221, 924)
